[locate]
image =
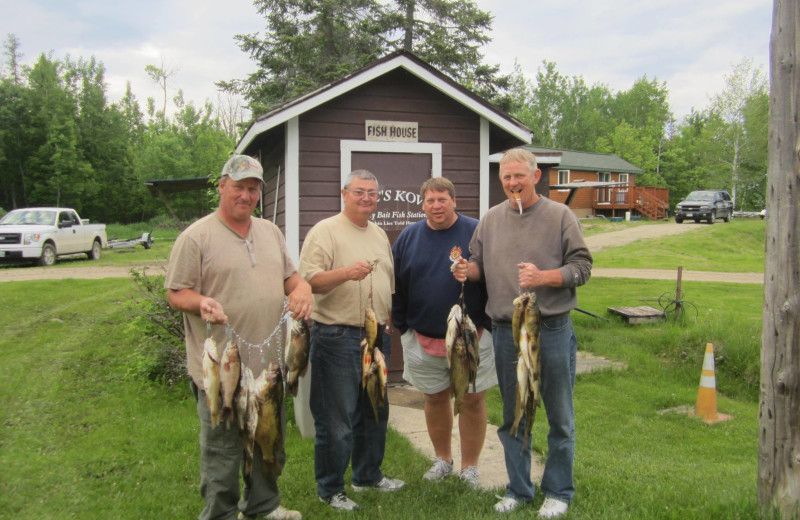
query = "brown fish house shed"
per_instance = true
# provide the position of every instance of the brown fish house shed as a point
(401, 119)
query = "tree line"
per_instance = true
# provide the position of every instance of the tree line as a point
(63, 142)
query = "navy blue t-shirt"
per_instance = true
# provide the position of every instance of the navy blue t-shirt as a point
(425, 289)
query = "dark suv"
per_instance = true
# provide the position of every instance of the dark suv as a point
(706, 205)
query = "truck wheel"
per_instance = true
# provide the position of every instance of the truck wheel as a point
(48, 257)
(94, 254)
(678, 220)
(713, 217)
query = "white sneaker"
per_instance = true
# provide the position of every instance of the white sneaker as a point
(386, 485)
(470, 476)
(440, 469)
(506, 504)
(279, 513)
(340, 502)
(552, 508)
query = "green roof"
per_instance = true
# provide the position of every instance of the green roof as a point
(591, 161)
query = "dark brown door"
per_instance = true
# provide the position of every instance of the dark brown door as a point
(400, 176)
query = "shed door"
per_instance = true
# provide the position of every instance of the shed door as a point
(399, 177)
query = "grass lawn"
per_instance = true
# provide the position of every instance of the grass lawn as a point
(737, 246)
(84, 437)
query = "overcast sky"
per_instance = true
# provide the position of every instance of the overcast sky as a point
(689, 44)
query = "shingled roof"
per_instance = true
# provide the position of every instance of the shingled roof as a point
(589, 161)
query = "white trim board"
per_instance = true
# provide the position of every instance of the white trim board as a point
(348, 146)
(313, 100)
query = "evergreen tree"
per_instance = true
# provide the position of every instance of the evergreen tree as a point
(307, 44)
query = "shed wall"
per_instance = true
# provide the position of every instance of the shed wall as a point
(396, 96)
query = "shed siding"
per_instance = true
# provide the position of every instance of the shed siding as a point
(397, 96)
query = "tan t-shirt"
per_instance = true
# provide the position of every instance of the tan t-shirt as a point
(244, 275)
(336, 242)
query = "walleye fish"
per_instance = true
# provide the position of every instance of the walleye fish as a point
(516, 319)
(526, 332)
(533, 329)
(247, 415)
(371, 327)
(453, 331)
(211, 379)
(523, 382)
(472, 348)
(269, 396)
(372, 386)
(230, 368)
(297, 351)
(383, 374)
(366, 362)
(459, 374)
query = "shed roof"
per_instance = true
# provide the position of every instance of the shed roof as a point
(592, 161)
(396, 60)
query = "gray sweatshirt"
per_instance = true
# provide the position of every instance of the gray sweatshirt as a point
(548, 235)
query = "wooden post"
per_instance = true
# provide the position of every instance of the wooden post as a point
(779, 413)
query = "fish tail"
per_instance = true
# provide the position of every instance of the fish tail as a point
(226, 414)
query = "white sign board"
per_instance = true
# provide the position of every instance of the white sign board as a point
(397, 131)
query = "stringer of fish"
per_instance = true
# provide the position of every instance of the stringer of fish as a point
(525, 326)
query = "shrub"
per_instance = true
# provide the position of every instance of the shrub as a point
(161, 355)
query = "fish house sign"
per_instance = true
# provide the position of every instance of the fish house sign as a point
(399, 118)
(397, 131)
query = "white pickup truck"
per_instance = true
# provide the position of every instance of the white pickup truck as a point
(41, 234)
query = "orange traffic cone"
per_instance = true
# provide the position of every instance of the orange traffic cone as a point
(706, 406)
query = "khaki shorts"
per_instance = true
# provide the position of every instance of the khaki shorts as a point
(430, 375)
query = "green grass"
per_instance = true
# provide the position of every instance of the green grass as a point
(737, 246)
(592, 226)
(83, 438)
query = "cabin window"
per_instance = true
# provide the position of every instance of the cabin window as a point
(563, 178)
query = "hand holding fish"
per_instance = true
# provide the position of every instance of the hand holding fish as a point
(211, 311)
(300, 301)
(460, 270)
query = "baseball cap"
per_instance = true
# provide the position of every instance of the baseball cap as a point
(241, 167)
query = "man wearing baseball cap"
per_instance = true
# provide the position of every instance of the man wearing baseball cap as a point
(232, 268)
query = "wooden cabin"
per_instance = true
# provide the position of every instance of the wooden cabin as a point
(594, 184)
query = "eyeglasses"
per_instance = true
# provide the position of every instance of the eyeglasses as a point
(372, 194)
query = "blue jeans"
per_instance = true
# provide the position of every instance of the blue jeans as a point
(558, 355)
(346, 427)
(221, 460)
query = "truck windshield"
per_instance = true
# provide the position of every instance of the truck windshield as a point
(700, 196)
(30, 217)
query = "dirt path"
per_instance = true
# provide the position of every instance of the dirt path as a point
(595, 243)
